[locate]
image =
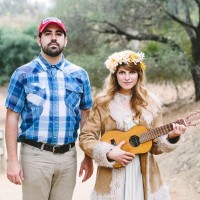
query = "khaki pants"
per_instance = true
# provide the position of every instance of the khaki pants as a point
(48, 176)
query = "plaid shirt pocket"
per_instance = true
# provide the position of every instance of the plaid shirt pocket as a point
(35, 95)
(73, 95)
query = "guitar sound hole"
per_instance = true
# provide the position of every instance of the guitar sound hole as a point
(112, 141)
(134, 141)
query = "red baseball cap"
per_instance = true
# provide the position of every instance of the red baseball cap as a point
(51, 20)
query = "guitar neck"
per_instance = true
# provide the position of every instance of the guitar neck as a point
(157, 132)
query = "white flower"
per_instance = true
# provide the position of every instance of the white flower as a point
(124, 57)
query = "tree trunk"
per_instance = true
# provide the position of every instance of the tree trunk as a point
(196, 77)
(195, 68)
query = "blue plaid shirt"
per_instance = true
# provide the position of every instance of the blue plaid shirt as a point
(50, 100)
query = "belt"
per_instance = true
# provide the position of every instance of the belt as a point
(55, 149)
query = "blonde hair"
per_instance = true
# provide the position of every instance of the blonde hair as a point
(139, 96)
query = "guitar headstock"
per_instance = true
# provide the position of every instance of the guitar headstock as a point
(192, 119)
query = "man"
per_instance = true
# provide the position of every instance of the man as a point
(50, 96)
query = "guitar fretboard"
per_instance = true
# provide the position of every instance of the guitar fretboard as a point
(157, 132)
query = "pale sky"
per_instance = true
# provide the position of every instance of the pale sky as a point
(48, 3)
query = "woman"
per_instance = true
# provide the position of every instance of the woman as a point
(124, 103)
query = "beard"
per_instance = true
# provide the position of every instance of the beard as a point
(53, 52)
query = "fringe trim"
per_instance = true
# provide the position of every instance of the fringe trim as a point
(161, 194)
(99, 154)
(116, 187)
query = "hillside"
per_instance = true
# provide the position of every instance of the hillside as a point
(181, 168)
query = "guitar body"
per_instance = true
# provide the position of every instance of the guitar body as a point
(115, 137)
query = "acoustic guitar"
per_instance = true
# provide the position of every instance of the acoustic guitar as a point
(138, 139)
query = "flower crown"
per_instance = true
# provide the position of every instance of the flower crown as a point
(124, 57)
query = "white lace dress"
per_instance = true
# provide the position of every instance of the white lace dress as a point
(133, 189)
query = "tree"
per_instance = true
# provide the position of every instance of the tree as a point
(24, 8)
(152, 20)
(85, 47)
(99, 28)
(16, 49)
(75, 15)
